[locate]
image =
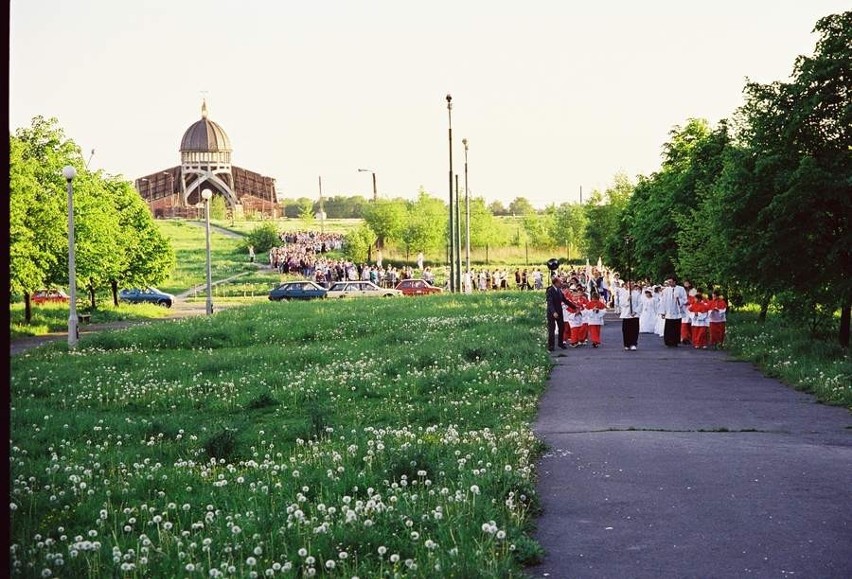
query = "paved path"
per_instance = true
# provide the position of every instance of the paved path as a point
(672, 462)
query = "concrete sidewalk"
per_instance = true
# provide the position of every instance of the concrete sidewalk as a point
(675, 462)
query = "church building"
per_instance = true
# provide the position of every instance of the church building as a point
(205, 163)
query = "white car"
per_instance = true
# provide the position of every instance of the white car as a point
(360, 289)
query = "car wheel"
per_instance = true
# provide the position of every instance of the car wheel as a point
(165, 303)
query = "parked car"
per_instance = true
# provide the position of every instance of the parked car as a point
(148, 295)
(360, 289)
(297, 290)
(417, 287)
(49, 296)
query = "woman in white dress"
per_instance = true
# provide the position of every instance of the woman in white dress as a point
(648, 318)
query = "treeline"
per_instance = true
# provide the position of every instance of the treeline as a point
(760, 203)
(117, 242)
(355, 206)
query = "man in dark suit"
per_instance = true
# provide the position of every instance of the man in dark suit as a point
(555, 322)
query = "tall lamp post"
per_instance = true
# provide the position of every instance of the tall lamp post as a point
(69, 173)
(452, 236)
(375, 191)
(466, 212)
(206, 195)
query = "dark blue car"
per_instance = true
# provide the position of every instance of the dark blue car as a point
(297, 290)
(148, 295)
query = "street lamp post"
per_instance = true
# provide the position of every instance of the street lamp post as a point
(452, 236)
(206, 195)
(375, 191)
(457, 234)
(466, 212)
(69, 173)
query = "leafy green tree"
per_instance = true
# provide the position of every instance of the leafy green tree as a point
(218, 208)
(387, 218)
(111, 240)
(497, 208)
(520, 206)
(789, 203)
(148, 256)
(603, 211)
(359, 241)
(35, 226)
(485, 230)
(537, 227)
(693, 159)
(38, 220)
(567, 225)
(426, 225)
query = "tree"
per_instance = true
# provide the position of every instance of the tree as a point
(38, 207)
(568, 226)
(358, 243)
(426, 224)
(484, 228)
(218, 208)
(387, 219)
(114, 234)
(692, 161)
(790, 203)
(497, 208)
(520, 206)
(602, 214)
(147, 254)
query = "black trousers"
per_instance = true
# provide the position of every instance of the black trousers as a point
(555, 324)
(630, 331)
(671, 333)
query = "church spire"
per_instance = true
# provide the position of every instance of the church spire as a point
(204, 108)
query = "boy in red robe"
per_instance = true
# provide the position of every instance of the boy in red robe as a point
(595, 310)
(718, 319)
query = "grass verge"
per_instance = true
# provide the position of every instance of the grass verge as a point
(389, 438)
(789, 353)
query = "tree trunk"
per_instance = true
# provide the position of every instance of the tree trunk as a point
(92, 295)
(764, 307)
(28, 308)
(114, 285)
(844, 324)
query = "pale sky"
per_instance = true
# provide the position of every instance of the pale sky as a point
(552, 95)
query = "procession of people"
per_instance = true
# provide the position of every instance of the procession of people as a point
(681, 314)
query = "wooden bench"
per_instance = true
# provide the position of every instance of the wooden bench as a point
(84, 318)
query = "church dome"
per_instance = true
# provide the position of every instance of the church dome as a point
(205, 136)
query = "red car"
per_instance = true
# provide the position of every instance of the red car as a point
(417, 287)
(45, 296)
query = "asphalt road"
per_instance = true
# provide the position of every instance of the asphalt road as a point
(683, 463)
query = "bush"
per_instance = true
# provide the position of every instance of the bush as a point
(263, 238)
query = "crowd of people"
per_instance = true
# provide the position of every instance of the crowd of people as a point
(680, 314)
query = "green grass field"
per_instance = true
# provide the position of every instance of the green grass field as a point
(386, 439)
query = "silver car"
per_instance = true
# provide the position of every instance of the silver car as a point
(360, 289)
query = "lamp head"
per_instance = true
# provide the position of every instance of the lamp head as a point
(449, 98)
(206, 194)
(69, 172)
(464, 142)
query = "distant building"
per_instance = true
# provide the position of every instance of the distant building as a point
(205, 162)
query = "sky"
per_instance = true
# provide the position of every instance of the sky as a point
(554, 97)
